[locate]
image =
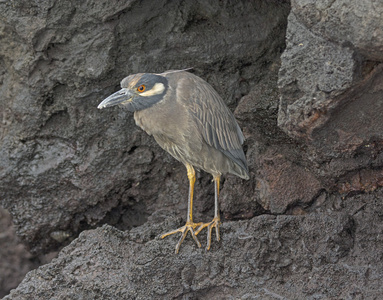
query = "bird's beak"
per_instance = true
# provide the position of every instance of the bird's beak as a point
(123, 95)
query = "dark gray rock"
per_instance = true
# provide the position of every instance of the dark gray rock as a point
(313, 71)
(357, 25)
(331, 87)
(15, 260)
(313, 143)
(66, 166)
(330, 253)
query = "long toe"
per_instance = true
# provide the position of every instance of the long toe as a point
(214, 223)
(189, 226)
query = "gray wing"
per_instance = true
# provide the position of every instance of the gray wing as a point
(218, 125)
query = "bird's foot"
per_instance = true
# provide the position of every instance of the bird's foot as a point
(214, 223)
(189, 226)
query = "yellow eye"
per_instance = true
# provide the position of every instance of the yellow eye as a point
(141, 88)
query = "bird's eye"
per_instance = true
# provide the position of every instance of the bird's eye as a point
(141, 88)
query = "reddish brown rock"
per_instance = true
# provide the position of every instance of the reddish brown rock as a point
(283, 183)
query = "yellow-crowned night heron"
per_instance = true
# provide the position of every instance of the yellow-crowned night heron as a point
(188, 119)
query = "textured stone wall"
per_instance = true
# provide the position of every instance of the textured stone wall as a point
(304, 80)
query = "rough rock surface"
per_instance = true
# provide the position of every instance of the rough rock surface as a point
(267, 257)
(301, 225)
(15, 260)
(66, 166)
(331, 83)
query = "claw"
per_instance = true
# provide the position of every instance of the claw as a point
(214, 223)
(189, 226)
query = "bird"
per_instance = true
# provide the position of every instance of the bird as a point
(189, 120)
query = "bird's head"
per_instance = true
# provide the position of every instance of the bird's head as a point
(139, 91)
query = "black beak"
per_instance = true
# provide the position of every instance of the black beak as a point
(116, 98)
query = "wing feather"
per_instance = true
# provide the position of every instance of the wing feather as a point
(216, 122)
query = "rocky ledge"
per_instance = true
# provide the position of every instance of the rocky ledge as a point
(304, 80)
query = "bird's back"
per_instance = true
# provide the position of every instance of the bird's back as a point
(196, 126)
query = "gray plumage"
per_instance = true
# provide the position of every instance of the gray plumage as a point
(188, 119)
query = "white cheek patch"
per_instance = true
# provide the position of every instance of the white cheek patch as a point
(157, 89)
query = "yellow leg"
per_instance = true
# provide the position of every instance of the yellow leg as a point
(216, 220)
(190, 225)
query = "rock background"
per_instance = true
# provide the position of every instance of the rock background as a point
(305, 81)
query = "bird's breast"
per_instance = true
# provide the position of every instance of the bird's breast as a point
(143, 122)
(171, 127)
(162, 120)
